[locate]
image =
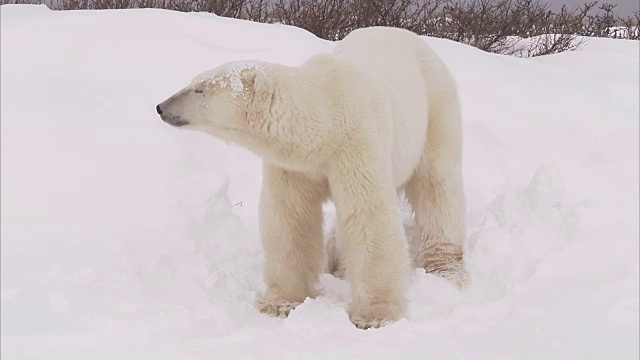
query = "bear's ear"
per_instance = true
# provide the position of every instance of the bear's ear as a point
(263, 83)
(260, 86)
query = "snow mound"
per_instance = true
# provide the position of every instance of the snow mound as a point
(125, 238)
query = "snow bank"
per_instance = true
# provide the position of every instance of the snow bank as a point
(125, 238)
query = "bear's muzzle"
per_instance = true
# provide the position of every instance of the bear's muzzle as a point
(169, 118)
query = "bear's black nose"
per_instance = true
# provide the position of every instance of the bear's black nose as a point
(158, 109)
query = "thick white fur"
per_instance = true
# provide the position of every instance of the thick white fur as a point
(377, 116)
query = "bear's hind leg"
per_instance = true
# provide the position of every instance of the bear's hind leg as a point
(291, 230)
(436, 193)
(438, 204)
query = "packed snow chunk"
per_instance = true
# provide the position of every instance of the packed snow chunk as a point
(546, 189)
(541, 202)
(316, 315)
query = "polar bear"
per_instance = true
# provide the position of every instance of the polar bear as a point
(377, 117)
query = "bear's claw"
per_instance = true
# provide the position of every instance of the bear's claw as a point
(368, 316)
(365, 324)
(453, 271)
(279, 309)
(456, 274)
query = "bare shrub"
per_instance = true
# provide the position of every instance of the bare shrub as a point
(327, 19)
(226, 8)
(23, 2)
(257, 10)
(630, 27)
(498, 26)
(558, 32)
(71, 4)
(406, 14)
(598, 24)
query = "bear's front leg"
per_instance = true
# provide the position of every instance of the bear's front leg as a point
(375, 249)
(290, 214)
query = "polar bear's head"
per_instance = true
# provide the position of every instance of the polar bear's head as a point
(218, 101)
(269, 109)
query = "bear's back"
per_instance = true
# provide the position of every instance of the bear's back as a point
(394, 60)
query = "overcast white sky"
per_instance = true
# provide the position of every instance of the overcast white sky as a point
(625, 7)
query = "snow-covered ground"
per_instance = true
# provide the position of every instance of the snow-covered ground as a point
(124, 238)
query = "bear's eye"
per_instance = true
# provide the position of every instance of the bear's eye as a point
(198, 91)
